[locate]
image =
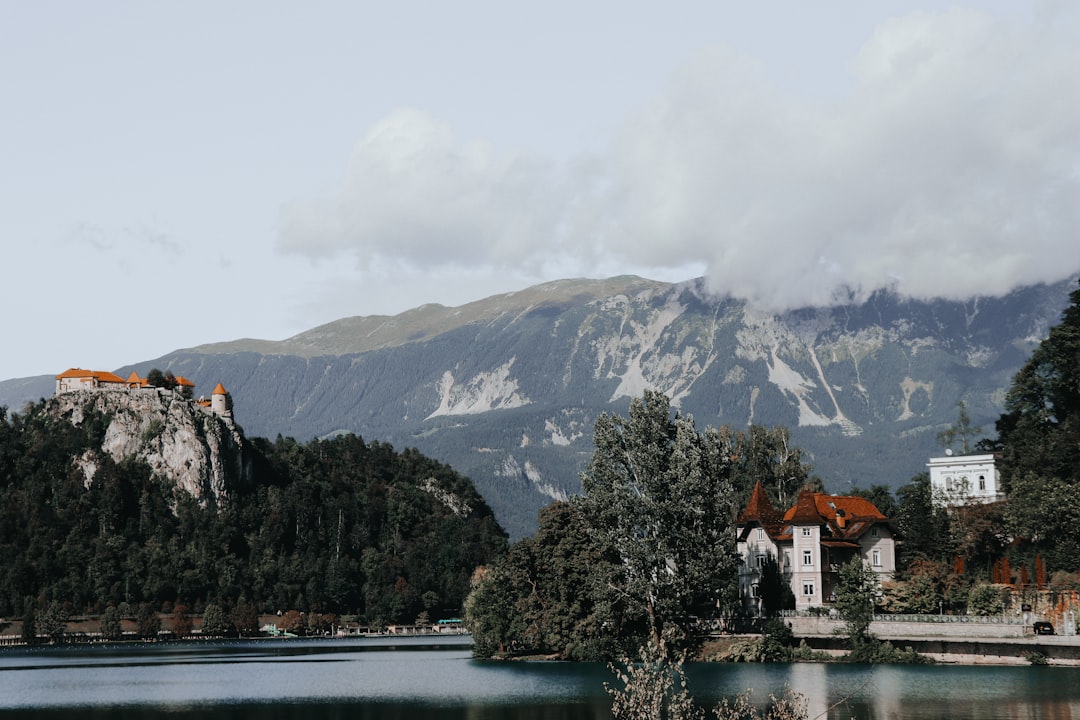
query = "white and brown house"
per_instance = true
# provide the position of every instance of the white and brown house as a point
(810, 541)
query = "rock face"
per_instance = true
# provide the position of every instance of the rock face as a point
(182, 442)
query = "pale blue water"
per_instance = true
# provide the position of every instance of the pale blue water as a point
(413, 678)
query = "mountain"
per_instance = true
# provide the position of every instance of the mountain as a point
(506, 389)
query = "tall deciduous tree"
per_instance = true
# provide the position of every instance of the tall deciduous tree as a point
(661, 497)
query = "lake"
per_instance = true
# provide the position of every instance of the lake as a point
(381, 679)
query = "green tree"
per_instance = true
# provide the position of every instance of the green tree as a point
(961, 430)
(29, 623)
(766, 455)
(773, 588)
(1039, 438)
(923, 525)
(245, 618)
(856, 594)
(110, 624)
(984, 599)
(659, 495)
(148, 621)
(215, 622)
(181, 620)
(53, 622)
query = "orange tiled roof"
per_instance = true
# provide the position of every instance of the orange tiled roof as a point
(219, 389)
(101, 375)
(759, 508)
(184, 382)
(804, 510)
(847, 516)
(134, 379)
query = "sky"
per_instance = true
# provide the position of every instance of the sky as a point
(173, 174)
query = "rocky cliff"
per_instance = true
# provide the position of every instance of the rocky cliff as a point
(181, 441)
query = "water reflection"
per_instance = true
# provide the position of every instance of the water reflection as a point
(413, 678)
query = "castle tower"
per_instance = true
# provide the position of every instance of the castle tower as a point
(220, 402)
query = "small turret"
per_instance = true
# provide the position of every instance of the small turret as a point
(221, 402)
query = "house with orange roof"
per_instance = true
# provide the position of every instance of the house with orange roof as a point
(78, 379)
(810, 541)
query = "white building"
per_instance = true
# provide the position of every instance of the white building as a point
(964, 480)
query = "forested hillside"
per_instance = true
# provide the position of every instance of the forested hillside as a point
(336, 525)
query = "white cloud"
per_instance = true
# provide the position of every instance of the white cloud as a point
(951, 168)
(415, 191)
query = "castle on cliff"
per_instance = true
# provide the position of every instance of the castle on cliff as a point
(74, 379)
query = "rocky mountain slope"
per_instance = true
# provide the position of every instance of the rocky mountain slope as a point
(506, 389)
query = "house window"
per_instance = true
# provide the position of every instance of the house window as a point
(877, 558)
(787, 559)
(807, 557)
(982, 482)
(760, 561)
(760, 534)
(808, 588)
(874, 531)
(806, 532)
(754, 591)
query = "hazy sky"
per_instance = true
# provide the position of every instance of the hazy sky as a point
(190, 172)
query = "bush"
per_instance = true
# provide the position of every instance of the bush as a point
(1036, 658)
(984, 600)
(776, 641)
(876, 652)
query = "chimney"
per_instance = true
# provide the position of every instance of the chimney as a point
(841, 519)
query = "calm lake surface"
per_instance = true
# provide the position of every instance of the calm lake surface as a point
(415, 678)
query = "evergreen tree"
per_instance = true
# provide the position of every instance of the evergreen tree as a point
(773, 588)
(215, 622)
(961, 430)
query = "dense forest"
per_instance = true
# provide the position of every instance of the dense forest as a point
(330, 526)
